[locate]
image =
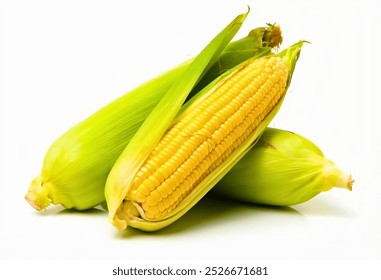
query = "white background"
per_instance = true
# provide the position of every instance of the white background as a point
(63, 60)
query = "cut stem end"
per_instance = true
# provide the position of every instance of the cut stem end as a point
(38, 196)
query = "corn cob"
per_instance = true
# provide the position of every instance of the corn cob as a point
(76, 165)
(149, 188)
(282, 169)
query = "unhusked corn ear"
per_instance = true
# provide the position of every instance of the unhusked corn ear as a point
(204, 142)
(282, 169)
(77, 164)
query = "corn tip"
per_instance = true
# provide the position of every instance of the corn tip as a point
(336, 177)
(350, 183)
(273, 35)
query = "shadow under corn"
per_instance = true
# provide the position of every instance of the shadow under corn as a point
(211, 211)
(60, 210)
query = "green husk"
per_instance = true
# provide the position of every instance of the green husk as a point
(77, 164)
(282, 169)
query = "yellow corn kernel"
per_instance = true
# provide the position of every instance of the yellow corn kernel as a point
(205, 135)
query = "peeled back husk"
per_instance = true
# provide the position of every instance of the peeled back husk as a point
(131, 207)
